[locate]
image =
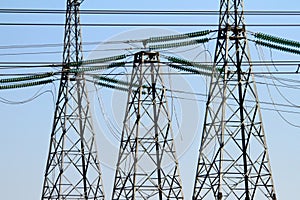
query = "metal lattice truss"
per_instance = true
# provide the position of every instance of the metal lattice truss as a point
(233, 161)
(147, 166)
(73, 168)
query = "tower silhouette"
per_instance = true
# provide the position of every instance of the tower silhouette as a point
(233, 159)
(147, 166)
(72, 169)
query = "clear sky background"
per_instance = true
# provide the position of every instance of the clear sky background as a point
(26, 127)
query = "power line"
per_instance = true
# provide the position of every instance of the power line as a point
(176, 91)
(145, 12)
(50, 63)
(204, 95)
(48, 45)
(60, 52)
(140, 24)
(11, 65)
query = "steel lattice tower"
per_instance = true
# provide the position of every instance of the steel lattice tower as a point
(147, 166)
(233, 160)
(73, 168)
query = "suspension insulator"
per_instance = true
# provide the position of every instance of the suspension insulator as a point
(178, 37)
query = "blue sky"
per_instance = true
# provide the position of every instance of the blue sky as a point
(25, 128)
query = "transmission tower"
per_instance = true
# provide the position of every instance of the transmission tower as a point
(233, 159)
(147, 166)
(72, 170)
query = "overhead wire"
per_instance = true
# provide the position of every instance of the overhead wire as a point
(279, 112)
(143, 12)
(267, 103)
(170, 73)
(34, 24)
(113, 25)
(108, 122)
(182, 71)
(115, 81)
(34, 97)
(110, 125)
(279, 79)
(285, 86)
(151, 40)
(43, 64)
(173, 107)
(60, 52)
(276, 87)
(205, 95)
(51, 45)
